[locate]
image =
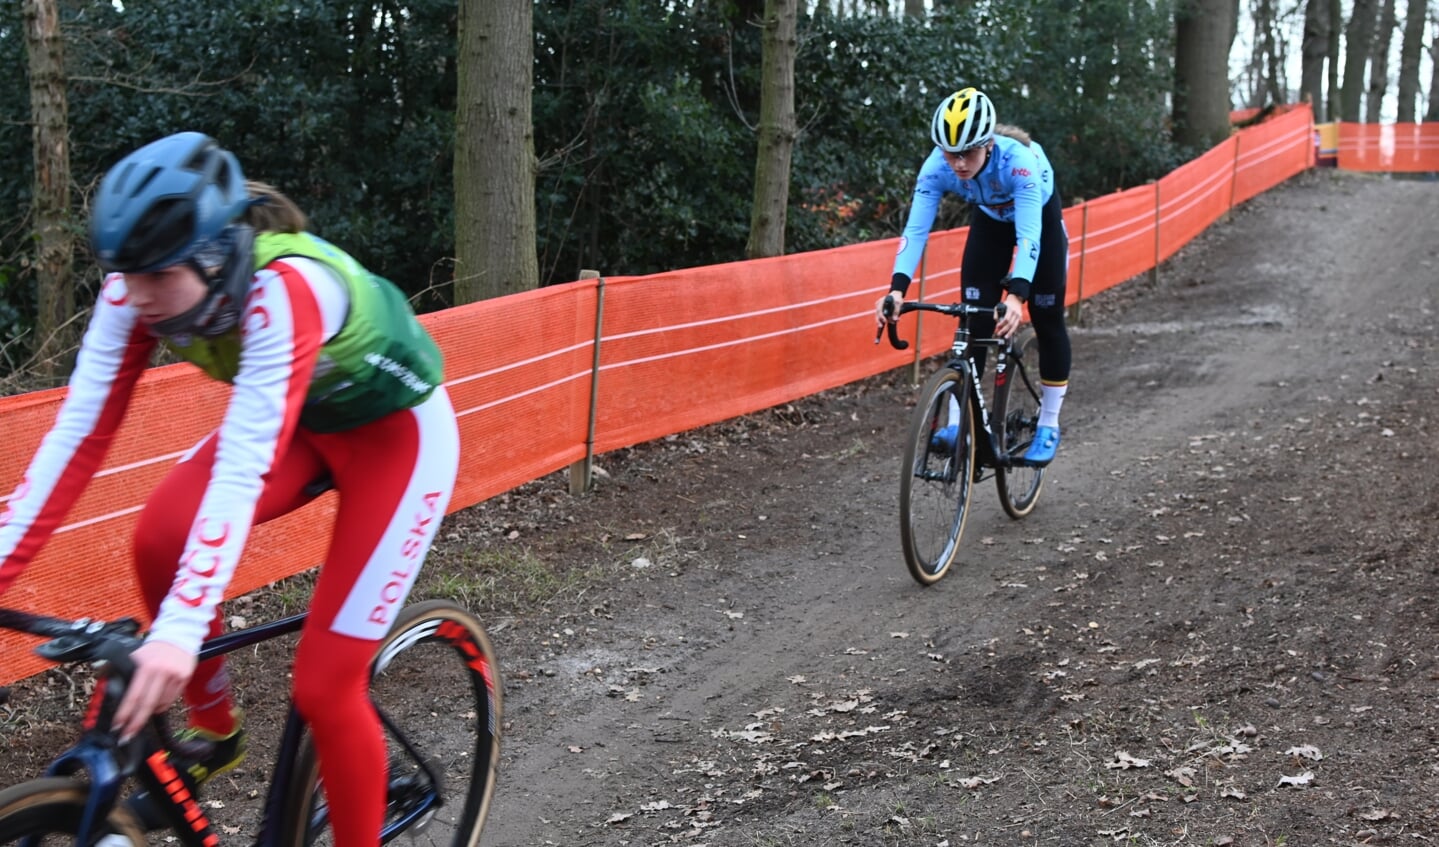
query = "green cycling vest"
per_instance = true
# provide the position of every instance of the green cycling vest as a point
(382, 360)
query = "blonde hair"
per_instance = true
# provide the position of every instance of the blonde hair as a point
(275, 212)
(1013, 132)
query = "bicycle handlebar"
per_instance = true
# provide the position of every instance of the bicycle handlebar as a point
(954, 310)
(82, 640)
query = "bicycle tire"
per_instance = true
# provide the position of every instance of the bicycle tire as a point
(47, 811)
(436, 679)
(935, 484)
(1019, 484)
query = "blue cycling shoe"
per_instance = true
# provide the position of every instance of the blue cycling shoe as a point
(1042, 448)
(942, 441)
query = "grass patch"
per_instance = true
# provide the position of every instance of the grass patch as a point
(492, 579)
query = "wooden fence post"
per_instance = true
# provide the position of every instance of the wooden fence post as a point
(582, 472)
(918, 326)
(1154, 271)
(1073, 316)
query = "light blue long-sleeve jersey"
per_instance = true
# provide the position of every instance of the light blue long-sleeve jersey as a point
(1013, 186)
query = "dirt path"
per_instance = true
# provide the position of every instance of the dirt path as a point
(1218, 624)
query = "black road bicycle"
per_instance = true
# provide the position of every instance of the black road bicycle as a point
(435, 683)
(956, 435)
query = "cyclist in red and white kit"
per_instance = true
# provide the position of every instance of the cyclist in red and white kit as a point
(333, 380)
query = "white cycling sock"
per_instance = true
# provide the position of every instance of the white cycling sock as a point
(1051, 397)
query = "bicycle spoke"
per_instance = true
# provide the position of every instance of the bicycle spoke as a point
(934, 490)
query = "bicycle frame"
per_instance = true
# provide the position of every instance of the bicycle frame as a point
(147, 756)
(992, 452)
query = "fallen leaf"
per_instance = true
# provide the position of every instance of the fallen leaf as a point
(1184, 776)
(1124, 761)
(1307, 751)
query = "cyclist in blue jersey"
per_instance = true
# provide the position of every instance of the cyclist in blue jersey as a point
(1017, 247)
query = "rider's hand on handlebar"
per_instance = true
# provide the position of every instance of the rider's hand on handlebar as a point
(161, 672)
(894, 299)
(1013, 317)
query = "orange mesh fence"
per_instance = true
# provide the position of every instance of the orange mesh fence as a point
(1117, 240)
(519, 372)
(692, 347)
(1272, 152)
(678, 350)
(1194, 196)
(1394, 148)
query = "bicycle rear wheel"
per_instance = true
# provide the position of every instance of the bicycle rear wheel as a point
(936, 476)
(1019, 484)
(46, 813)
(436, 685)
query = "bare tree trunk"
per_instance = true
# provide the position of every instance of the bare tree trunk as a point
(1410, 54)
(914, 8)
(1433, 113)
(494, 151)
(1313, 51)
(1336, 26)
(1203, 29)
(1358, 38)
(1098, 74)
(1379, 63)
(1267, 80)
(777, 131)
(54, 241)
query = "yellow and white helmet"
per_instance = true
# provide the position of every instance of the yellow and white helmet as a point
(964, 120)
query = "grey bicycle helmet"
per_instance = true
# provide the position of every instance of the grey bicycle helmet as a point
(175, 200)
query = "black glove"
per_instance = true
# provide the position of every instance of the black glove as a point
(1017, 286)
(899, 283)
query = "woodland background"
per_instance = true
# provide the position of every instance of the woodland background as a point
(473, 149)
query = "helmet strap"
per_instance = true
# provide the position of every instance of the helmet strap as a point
(227, 286)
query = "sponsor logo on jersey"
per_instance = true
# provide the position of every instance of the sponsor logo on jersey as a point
(200, 564)
(409, 378)
(412, 553)
(1020, 172)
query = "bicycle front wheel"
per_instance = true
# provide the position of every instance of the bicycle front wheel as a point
(48, 812)
(936, 476)
(1019, 484)
(436, 685)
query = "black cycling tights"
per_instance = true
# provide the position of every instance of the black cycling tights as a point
(987, 254)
